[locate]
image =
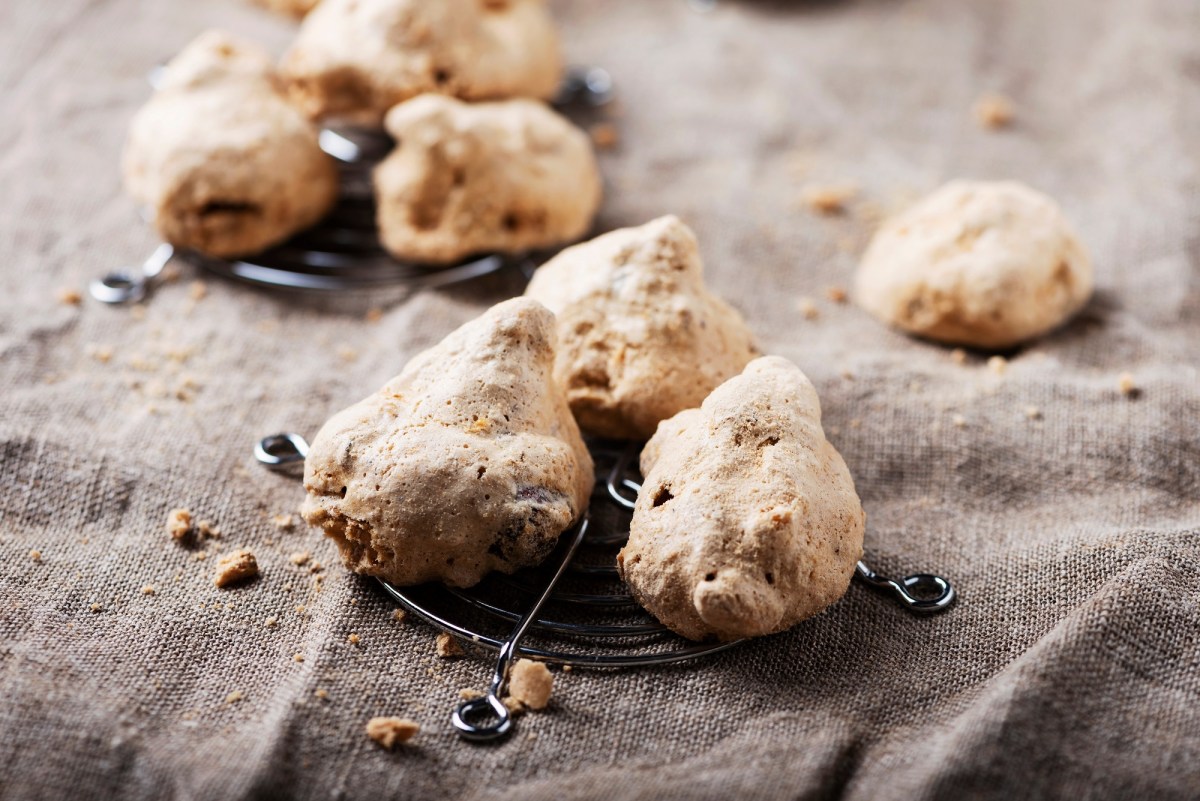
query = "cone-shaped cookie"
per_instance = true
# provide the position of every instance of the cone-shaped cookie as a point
(469, 461)
(226, 166)
(747, 521)
(640, 337)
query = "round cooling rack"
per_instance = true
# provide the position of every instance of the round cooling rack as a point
(573, 609)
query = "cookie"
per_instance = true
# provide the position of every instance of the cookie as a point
(224, 164)
(468, 462)
(355, 59)
(987, 265)
(640, 336)
(748, 521)
(465, 179)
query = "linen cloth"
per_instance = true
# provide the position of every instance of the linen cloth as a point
(1065, 511)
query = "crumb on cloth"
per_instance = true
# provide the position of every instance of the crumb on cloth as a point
(236, 566)
(828, 199)
(387, 731)
(530, 684)
(994, 111)
(447, 647)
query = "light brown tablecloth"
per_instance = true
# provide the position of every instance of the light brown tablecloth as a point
(1071, 667)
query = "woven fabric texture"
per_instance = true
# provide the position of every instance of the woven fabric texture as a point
(1069, 669)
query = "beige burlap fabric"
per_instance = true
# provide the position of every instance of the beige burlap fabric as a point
(1071, 667)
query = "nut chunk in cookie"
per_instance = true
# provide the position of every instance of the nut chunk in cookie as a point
(469, 461)
(355, 59)
(747, 522)
(489, 177)
(983, 264)
(640, 336)
(225, 165)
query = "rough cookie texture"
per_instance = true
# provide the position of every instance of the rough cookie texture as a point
(226, 166)
(640, 336)
(355, 59)
(464, 179)
(390, 731)
(467, 462)
(747, 521)
(235, 567)
(988, 265)
(530, 684)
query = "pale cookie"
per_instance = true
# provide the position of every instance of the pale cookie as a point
(355, 59)
(747, 521)
(490, 177)
(640, 336)
(530, 684)
(987, 265)
(221, 160)
(467, 462)
(235, 567)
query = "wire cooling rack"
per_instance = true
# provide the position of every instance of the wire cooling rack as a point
(342, 251)
(573, 609)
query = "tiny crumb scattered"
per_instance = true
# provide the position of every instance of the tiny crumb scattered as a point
(513, 706)
(808, 308)
(374, 314)
(837, 294)
(1033, 413)
(959, 421)
(530, 683)
(604, 135)
(848, 375)
(272, 622)
(208, 529)
(35, 555)
(447, 647)
(298, 658)
(828, 199)
(400, 615)
(284, 522)
(567, 668)
(469, 694)
(354, 639)
(236, 566)
(197, 290)
(347, 353)
(1127, 385)
(101, 353)
(322, 694)
(299, 558)
(994, 111)
(200, 556)
(148, 590)
(389, 731)
(234, 697)
(96, 608)
(997, 364)
(179, 523)
(69, 296)
(959, 356)
(300, 610)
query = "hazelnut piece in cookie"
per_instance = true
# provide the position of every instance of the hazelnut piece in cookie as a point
(987, 265)
(640, 336)
(469, 461)
(225, 165)
(489, 177)
(355, 59)
(748, 521)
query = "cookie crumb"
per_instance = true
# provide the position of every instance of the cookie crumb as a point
(96, 608)
(322, 694)
(272, 622)
(234, 697)
(389, 731)
(958, 356)
(197, 290)
(447, 647)
(959, 421)
(837, 294)
(469, 694)
(828, 199)
(353, 639)
(200, 556)
(530, 683)
(808, 308)
(298, 658)
(69, 296)
(300, 610)
(35, 555)
(997, 364)
(101, 353)
(179, 523)
(1126, 384)
(347, 353)
(208, 529)
(299, 558)
(513, 706)
(284, 522)
(567, 668)
(1033, 413)
(149, 590)
(604, 135)
(236, 566)
(400, 615)
(374, 314)
(994, 111)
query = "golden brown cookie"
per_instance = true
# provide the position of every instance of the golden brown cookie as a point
(989, 265)
(640, 336)
(225, 165)
(355, 59)
(747, 522)
(469, 461)
(489, 177)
